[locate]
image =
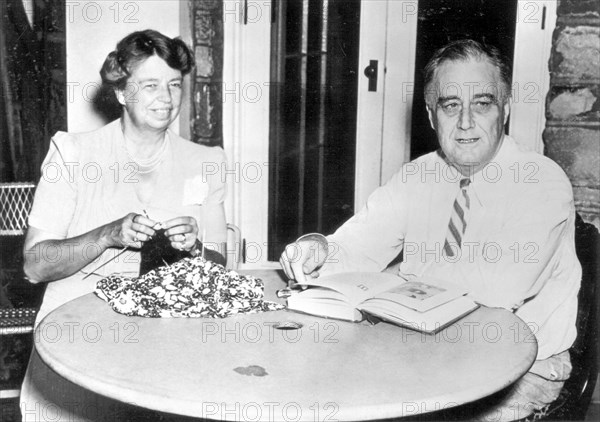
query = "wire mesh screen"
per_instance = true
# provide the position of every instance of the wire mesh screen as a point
(15, 203)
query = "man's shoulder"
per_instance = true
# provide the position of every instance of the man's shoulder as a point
(528, 176)
(525, 164)
(428, 168)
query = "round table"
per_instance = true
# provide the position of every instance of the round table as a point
(245, 368)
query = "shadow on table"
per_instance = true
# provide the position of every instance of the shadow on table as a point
(465, 412)
(460, 413)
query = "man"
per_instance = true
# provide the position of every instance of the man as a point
(482, 212)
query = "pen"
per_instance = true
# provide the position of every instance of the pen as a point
(285, 292)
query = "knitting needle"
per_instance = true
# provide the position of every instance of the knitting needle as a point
(203, 211)
(116, 256)
(102, 265)
(203, 235)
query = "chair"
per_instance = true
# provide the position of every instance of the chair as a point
(574, 399)
(234, 247)
(16, 200)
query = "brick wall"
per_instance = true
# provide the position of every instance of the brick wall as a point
(207, 36)
(572, 134)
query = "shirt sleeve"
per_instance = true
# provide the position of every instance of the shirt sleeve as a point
(534, 270)
(374, 236)
(56, 193)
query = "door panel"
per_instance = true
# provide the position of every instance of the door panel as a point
(369, 127)
(388, 30)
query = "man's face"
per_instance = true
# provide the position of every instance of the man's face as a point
(468, 109)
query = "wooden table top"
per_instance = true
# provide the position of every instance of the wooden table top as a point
(243, 368)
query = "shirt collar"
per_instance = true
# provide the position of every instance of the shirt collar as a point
(494, 173)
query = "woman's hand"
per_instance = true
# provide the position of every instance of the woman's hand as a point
(74, 253)
(132, 230)
(182, 232)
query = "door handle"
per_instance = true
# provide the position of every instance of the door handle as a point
(371, 73)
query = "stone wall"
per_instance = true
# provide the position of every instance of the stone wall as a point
(207, 36)
(572, 134)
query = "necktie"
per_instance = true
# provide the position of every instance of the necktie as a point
(458, 222)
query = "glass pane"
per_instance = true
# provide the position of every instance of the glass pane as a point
(313, 118)
(293, 25)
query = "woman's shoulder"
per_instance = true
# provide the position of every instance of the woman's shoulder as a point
(78, 146)
(93, 139)
(197, 152)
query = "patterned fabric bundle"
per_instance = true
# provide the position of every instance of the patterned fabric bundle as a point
(191, 287)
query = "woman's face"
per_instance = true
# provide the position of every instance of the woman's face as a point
(152, 96)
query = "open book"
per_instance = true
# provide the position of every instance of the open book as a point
(418, 304)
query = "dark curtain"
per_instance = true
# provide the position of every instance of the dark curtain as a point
(33, 84)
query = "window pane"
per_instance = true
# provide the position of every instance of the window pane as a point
(313, 118)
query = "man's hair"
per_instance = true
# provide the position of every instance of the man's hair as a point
(465, 50)
(137, 47)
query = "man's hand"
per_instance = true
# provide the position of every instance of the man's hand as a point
(304, 257)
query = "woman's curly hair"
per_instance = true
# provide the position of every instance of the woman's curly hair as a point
(137, 47)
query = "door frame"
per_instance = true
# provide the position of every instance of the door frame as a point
(536, 21)
(246, 76)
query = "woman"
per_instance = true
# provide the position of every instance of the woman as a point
(103, 194)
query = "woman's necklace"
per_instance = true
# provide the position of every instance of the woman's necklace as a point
(149, 164)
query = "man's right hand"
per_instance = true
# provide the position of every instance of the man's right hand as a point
(304, 257)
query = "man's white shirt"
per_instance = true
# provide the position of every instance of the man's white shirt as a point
(518, 249)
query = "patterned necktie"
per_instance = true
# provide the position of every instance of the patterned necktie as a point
(458, 222)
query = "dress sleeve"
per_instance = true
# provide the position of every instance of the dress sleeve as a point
(217, 188)
(56, 192)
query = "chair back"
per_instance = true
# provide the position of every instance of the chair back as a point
(234, 247)
(584, 352)
(16, 200)
(577, 392)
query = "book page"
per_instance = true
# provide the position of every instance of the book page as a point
(355, 287)
(429, 322)
(417, 290)
(421, 295)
